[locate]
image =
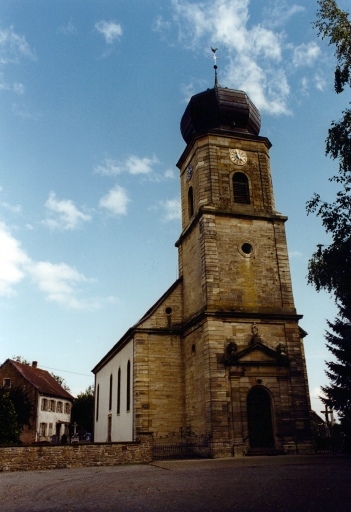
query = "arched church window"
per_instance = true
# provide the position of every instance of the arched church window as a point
(241, 188)
(128, 386)
(119, 391)
(97, 401)
(110, 394)
(190, 202)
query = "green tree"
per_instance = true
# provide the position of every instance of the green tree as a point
(21, 403)
(9, 431)
(23, 406)
(61, 381)
(330, 266)
(83, 411)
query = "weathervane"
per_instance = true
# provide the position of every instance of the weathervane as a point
(215, 65)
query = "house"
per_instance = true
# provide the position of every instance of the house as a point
(51, 404)
(220, 355)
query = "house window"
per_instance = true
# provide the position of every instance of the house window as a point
(128, 386)
(52, 406)
(241, 188)
(67, 408)
(50, 429)
(7, 383)
(119, 391)
(190, 202)
(97, 402)
(42, 429)
(110, 394)
(59, 407)
(44, 404)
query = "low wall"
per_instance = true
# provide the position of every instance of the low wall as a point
(76, 455)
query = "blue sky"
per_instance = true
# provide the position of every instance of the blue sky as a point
(91, 96)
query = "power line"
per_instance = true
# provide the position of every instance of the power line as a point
(67, 371)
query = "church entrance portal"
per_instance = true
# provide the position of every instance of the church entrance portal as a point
(259, 414)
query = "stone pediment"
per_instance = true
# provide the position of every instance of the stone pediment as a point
(256, 354)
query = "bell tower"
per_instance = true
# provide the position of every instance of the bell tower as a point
(242, 345)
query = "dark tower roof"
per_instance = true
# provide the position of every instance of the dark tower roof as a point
(220, 109)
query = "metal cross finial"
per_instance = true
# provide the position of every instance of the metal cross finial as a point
(215, 65)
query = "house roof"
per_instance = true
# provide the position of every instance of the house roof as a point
(42, 380)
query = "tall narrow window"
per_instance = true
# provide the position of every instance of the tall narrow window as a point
(110, 394)
(97, 401)
(241, 188)
(190, 202)
(119, 391)
(128, 386)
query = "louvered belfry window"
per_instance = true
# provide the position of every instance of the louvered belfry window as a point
(241, 188)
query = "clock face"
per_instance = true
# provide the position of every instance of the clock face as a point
(238, 156)
(189, 172)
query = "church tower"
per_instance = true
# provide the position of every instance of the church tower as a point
(219, 357)
(245, 375)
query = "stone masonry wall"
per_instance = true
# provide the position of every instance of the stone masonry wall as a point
(29, 458)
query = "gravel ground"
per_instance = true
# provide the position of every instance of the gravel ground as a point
(263, 484)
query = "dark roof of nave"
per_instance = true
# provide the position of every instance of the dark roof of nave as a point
(220, 109)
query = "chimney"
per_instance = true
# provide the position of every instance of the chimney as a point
(35, 364)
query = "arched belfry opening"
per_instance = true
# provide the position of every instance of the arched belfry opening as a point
(259, 416)
(190, 202)
(241, 188)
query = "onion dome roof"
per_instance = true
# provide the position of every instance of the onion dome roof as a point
(220, 109)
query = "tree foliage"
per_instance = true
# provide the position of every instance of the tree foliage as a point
(330, 266)
(9, 431)
(61, 381)
(83, 411)
(339, 370)
(19, 413)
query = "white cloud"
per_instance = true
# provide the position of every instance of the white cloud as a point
(13, 261)
(161, 25)
(306, 54)
(257, 56)
(136, 165)
(115, 201)
(320, 81)
(13, 47)
(133, 165)
(59, 284)
(65, 215)
(68, 29)
(172, 209)
(295, 254)
(23, 113)
(278, 13)
(12, 208)
(169, 174)
(109, 167)
(18, 88)
(110, 30)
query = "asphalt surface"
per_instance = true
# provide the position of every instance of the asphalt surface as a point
(264, 484)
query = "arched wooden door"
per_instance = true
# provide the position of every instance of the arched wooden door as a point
(259, 412)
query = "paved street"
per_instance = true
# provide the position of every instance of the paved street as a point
(263, 484)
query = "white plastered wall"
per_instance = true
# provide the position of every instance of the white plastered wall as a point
(122, 423)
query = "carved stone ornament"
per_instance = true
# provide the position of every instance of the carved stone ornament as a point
(256, 338)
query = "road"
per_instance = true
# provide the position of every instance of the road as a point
(291, 483)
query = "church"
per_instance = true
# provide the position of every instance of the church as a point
(220, 355)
